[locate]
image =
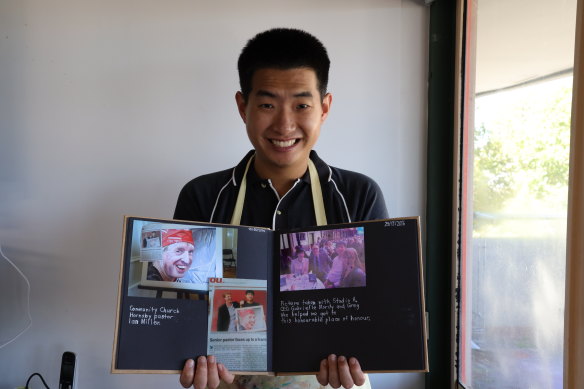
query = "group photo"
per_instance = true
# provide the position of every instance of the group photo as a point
(322, 259)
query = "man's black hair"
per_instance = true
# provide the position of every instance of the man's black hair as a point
(250, 291)
(283, 48)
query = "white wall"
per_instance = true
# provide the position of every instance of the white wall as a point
(108, 107)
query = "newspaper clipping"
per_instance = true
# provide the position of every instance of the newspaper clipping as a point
(237, 323)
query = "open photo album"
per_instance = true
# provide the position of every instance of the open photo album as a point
(270, 302)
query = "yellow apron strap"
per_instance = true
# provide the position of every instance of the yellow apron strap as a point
(317, 199)
(236, 217)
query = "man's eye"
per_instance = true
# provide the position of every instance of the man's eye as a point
(303, 106)
(266, 106)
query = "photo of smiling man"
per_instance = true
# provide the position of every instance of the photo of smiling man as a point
(251, 319)
(177, 256)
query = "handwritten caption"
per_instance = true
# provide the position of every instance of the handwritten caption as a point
(151, 316)
(326, 311)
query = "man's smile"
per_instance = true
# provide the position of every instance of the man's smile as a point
(181, 268)
(284, 143)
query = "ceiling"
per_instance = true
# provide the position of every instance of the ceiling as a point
(522, 40)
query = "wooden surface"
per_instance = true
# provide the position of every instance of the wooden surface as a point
(574, 317)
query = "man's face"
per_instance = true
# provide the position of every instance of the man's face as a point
(283, 115)
(227, 298)
(177, 259)
(315, 250)
(300, 255)
(249, 297)
(248, 321)
(340, 248)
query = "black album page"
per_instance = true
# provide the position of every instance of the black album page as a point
(353, 290)
(166, 267)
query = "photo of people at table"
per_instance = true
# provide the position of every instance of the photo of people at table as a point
(322, 259)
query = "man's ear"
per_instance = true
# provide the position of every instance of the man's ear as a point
(241, 105)
(326, 106)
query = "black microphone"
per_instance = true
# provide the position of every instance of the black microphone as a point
(68, 365)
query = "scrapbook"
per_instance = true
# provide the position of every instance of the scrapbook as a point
(270, 302)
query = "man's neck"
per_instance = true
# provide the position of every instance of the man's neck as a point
(282, 186)
(282, 178)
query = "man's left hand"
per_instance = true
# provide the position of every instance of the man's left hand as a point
(339, 372)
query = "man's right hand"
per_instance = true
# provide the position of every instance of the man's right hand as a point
(206, 373)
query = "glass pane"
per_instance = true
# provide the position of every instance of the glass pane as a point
(520, 181)
(515, 181)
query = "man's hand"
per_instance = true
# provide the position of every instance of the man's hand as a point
(208, 373)
(337, 371)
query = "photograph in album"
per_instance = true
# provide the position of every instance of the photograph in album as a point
(323, 259)
(170, 256)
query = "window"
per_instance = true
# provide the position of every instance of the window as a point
(514, 193)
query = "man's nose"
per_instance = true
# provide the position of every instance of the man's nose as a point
(186, 257)
(284, 121)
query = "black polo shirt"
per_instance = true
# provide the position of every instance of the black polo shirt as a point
(348, 197)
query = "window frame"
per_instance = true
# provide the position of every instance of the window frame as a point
(451, 56)
(441, 153)
(574, 310)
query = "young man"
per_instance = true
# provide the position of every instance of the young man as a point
(334, 275)
(282, 183)
(249, 299)
(320, 262)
